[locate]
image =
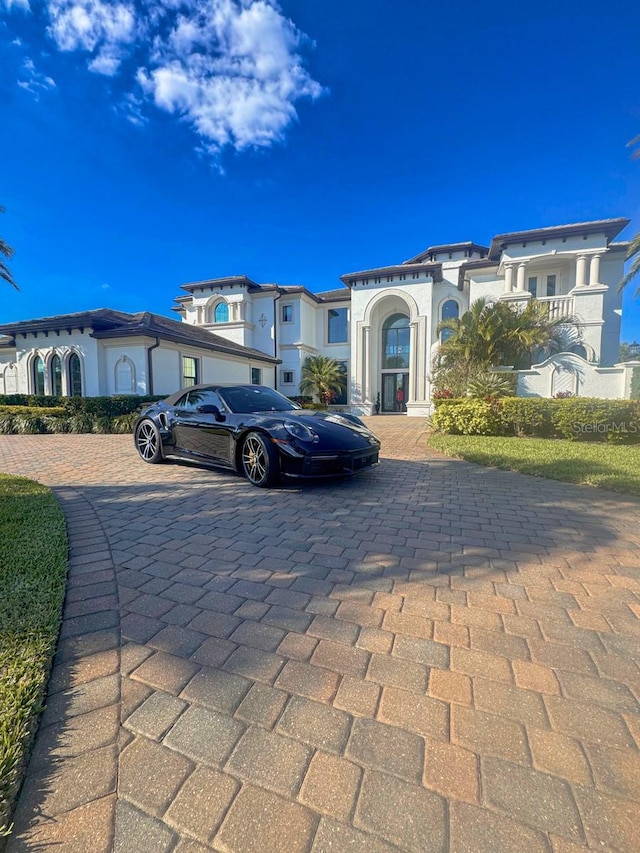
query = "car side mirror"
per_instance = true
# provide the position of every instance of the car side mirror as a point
(209, 409)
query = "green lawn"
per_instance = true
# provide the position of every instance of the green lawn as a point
(609, 466)
(33, 565)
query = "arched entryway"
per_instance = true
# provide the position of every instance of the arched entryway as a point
(394, 362)
(389, 354)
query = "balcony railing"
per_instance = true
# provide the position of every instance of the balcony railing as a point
(559, 306)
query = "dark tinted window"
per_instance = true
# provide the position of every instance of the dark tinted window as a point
(395, 342)
(183, 402)
(75, 376)
(201, 397)
(338, 323)
(204, 397)
(255, 399)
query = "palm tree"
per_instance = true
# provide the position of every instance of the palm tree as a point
(7, 251)
(488, 335)
(323, 377)
(633, 252)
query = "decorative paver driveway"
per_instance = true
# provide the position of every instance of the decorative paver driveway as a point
(432, 656)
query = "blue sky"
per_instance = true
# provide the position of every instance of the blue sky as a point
(148, 144)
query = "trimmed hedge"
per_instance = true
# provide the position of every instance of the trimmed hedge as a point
(576, 418)
(109, 407)
(25, 414)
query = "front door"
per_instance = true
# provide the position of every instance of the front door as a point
(394, 392)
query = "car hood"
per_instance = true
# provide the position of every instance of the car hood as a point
(327, 424)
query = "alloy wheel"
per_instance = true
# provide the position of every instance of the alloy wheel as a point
(147, 441)
(254, 460)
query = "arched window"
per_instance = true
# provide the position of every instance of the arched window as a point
(450, 311)
(56, 376)
(395, 342)
(38, 376)
(75, 375)
(125, 376)
(221, 313)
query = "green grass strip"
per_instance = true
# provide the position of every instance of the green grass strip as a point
(33, 565)
(608, 466)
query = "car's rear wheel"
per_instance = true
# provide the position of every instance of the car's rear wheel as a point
(259, 461)
(148, 442)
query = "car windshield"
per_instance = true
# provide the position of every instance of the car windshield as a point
(255, 398)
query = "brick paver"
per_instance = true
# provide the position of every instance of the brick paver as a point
(432, 656)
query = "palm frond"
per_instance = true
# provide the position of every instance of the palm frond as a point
(7, 251)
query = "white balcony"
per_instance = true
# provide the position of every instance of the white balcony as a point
(559, 306)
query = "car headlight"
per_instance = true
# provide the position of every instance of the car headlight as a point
(300, 431)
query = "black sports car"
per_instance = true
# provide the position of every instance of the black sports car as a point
(255, 431)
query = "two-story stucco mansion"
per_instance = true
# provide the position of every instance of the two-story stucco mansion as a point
(381, 325)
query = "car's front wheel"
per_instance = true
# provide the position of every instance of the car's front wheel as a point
(259, 461)
(148, 442)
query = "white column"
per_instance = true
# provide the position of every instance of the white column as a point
(413, 341)
(508, 278)
(366, 359)
(199, 315)
(594, 270)
(581, 271)
(48, 390)
(520, 280)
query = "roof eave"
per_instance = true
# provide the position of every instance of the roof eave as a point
(609, 227)
(176, 337)
(434, 270)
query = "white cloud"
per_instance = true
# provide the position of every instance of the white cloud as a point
(93, 25)
(34, 81)
(232, 69)
(17, 4)
(132, 108)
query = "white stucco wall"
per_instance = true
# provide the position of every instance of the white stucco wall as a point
(484, 286)
(567, 371)
(112, 354)
(262, 335)
(27, 347)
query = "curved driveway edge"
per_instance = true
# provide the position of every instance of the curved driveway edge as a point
(68, 798)
(432, 656)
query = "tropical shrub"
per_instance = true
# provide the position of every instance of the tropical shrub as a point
(491, 334)
(28, 425)
(527, 416)
(467, 417)
(575, 418)
(29, 414)
(491, 384)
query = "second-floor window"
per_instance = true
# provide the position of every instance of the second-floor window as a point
(450, 311)
(287, 313)
(337, 326)
(543, 284)
(221, 313)
(287, 377)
